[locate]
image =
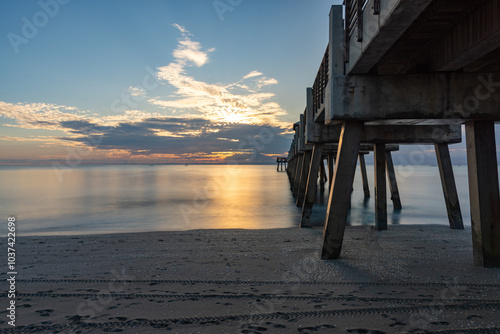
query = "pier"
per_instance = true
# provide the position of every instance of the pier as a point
(395, 73)
(282, 163)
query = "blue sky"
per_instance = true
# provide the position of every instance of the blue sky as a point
(162, 81)
(157, 81)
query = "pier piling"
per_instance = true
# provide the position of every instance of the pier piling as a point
(340, 194)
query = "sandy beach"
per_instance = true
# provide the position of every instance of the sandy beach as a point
(409, 279)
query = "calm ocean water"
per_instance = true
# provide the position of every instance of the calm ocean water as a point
(109, 199)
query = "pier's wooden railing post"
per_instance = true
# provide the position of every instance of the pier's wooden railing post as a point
(449, 187)
(380, 188)
(484, 192)
(340, 194)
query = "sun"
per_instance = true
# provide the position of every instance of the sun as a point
(231, 115)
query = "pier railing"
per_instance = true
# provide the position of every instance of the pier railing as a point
(354, 20)
(320, 83)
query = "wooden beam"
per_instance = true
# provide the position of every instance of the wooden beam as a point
(312, 181)
(393, 184)
(340, 193)
(449, 186)
(380, 188)
(322, 175)
(306, 161)
(331, 168)
(483, 192)
(298, 173)
(364, 177)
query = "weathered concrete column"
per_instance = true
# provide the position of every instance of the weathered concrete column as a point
(312, 181)
(340, 193)
(364, 177)
(484, 192)
(301, 192)
(331, 169)
(380, 188)
(298, 171)
(393, 184)
(291, 172)
(322, 175)
(449, 186)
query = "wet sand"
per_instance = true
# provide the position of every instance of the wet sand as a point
(409, 279)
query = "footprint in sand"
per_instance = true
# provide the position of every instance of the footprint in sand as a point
(45, 313)
(365, 331)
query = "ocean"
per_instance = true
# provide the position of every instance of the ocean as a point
(140, 198)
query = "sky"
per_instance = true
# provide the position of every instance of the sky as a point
(159, 81)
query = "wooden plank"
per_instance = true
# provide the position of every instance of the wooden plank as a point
(483, 192)
(393, 184)
(340, 193)
(380, 188)
(312, 181)
(449, 186)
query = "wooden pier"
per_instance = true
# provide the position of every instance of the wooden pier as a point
(403, 72)
(282, 164)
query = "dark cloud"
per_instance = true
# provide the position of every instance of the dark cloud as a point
(198, 136)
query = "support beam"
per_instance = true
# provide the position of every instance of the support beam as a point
(449, 186)
(448, 95)
(484, 192)
(298, 172)
(331, 168)
(393, 184)
(322, 175)
(400, 132)
(364, 177)
(306, 161)
(340, 193)
(380, 188)
(312, 181)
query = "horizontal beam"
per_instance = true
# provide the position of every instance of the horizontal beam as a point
(363, 148)
(416, 96)
(396, 134)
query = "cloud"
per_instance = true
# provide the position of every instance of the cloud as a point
(229, 103)
(198, 137)
(181, 28)
(188, 51)
(215, 121)
(136, 91)
(252, 74)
